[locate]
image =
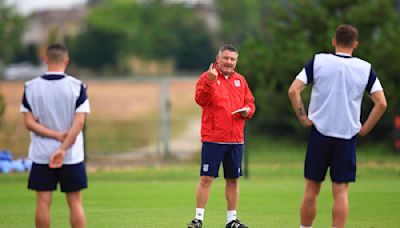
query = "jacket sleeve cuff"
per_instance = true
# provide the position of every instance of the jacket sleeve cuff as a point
(251, 113)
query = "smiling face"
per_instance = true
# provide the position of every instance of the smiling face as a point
(226, 62)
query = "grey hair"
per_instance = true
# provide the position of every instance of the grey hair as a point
(228, 47)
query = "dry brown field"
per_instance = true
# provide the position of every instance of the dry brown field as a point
(117, 100)
(109, 100)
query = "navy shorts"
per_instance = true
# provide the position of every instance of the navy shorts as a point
(72, 178)
(338, 154)
(212, 154)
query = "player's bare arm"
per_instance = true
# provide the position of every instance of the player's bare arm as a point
(380, 104)
(297, 104)
(37, 128)
(57, 157)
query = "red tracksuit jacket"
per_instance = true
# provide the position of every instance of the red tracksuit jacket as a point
(218, 99)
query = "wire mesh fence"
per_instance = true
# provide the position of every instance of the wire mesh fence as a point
(148, 123)
(141, 142)
(132, 123)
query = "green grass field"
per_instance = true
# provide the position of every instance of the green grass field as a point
(164, 197)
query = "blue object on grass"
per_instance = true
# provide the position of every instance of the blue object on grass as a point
(8, 165)
(5, 166)
(18, 166)
(5, 155)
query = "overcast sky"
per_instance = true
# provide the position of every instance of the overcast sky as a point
(28, 6)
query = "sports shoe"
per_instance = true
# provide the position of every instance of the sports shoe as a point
(236, 224)
(195, 223)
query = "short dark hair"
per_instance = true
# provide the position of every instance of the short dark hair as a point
(228, 47)
(346, 35)
(56, 53)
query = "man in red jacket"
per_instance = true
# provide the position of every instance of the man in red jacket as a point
(226, 103)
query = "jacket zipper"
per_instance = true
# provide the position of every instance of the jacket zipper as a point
(230, 102)
(212, 119)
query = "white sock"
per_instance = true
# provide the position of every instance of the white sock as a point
(199, 214)
(230, 215)
(305, 226)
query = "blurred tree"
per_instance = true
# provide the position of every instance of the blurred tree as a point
(93, 48)
(239, 19)
(11, 28)
(149, 30)
(28, 53)
(295, 31)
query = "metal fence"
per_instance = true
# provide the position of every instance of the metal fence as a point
(133, 122)
(151, 122)
(142, 142)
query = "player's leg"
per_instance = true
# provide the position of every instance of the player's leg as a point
(340, 205)
(232, 193)
(232, 171)
(43, 180)
(308, 209)
(343, 171)
(211, 157)
(202, 195)
(232, 198)
(43, 204)
(73, 179)
(315, 166)
(77, 214)
(203, 191)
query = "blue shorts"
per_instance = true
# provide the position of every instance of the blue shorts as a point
(338, 154)
(212, 154)
(72, 178)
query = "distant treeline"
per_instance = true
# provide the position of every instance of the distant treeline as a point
(275, 39)
(293, 31)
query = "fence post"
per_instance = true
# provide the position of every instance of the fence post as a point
(246, 152)
(397, 133)
(165, 109)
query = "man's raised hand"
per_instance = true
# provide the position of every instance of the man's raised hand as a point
(212, 72)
